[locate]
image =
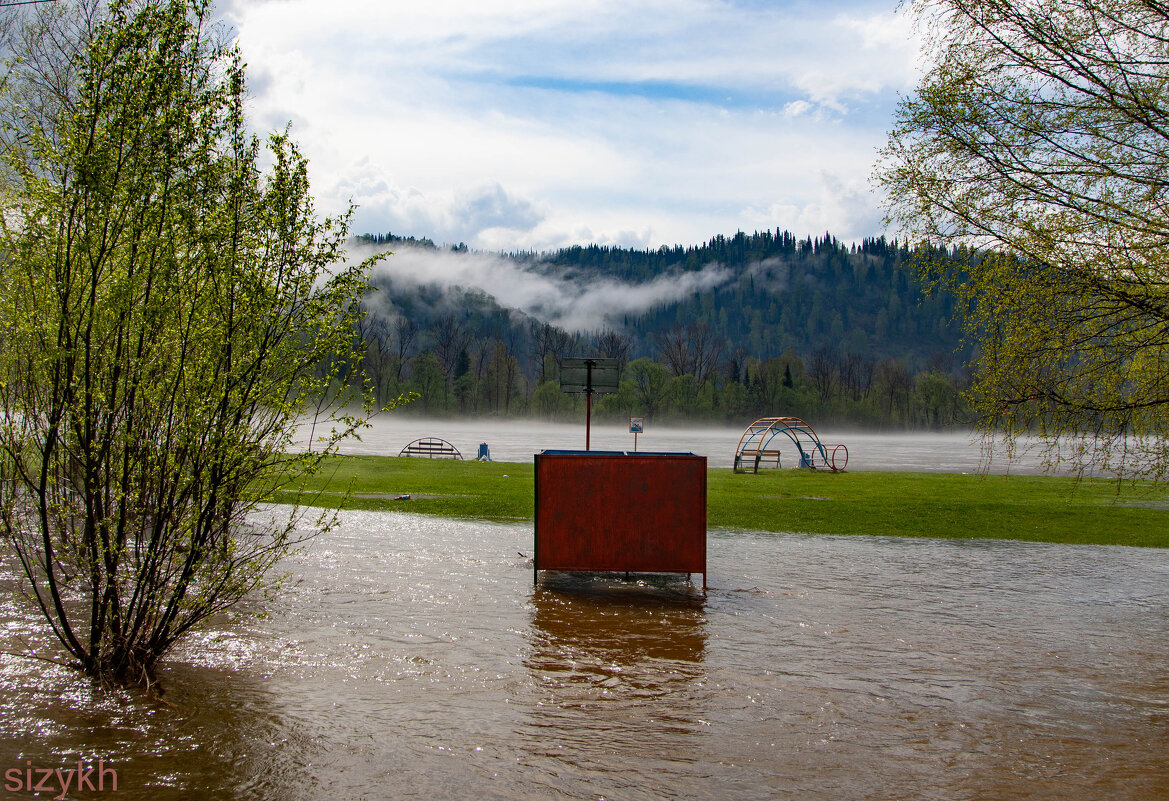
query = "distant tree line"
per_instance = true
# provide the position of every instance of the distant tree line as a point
(813, 328)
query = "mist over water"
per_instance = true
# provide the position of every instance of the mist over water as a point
(409, 657)
(518, 440)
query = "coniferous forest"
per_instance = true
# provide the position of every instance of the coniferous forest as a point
(837, 334)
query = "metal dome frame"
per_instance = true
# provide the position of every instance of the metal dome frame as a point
(431, 448)
(754, 452)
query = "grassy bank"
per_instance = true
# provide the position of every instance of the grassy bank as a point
(1036, 508)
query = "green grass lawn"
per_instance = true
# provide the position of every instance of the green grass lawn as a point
(1037, 508)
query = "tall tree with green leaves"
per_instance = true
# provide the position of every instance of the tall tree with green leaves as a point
(173, 319)
(1040, 135)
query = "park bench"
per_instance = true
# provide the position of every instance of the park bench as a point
(762, 459)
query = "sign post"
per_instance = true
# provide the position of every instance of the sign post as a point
(636, 426)
(596, 375)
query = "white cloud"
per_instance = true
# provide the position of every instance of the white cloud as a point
(537, 123)
(463, 217)
(797, 108)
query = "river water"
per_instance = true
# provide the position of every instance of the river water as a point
(408, 657)
(517, 440)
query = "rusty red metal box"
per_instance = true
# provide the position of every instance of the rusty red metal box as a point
(624, 512)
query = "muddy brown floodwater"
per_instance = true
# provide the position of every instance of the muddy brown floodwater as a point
(411, 658)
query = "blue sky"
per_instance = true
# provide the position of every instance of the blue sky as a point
(534, 124)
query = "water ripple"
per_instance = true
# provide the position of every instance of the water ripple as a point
(411, 657)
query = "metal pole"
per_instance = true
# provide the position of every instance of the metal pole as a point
(588, 402)
(588, 416)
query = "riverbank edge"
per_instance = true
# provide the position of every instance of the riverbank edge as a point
(933, 505)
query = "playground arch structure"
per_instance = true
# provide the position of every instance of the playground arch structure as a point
(431, 448)
(756, 449)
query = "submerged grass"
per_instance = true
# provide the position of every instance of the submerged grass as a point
(946, 505)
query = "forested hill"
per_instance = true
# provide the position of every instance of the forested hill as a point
(780, 292)
(788, 293)
(755, 297)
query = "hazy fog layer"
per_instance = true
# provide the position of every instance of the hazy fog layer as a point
(518, 440)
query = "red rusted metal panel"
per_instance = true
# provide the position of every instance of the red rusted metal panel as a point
(624, 512)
